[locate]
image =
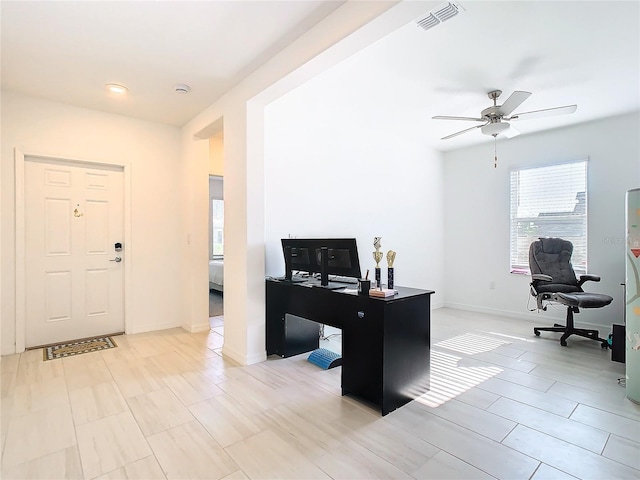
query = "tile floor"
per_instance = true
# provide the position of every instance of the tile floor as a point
(503, 404)
(216, 303)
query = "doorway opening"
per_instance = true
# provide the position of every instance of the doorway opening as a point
(216, 236)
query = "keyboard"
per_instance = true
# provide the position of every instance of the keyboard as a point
(340, 279)
(294, 279)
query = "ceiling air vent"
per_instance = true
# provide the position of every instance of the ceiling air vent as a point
(428, 22)
(439, 15)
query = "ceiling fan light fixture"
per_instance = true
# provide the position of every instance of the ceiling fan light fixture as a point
(116, 88)
(494, 128)
(496, 117)
(182, 88)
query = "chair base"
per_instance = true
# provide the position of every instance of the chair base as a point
(569, 330)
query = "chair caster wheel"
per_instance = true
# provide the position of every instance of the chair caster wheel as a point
(537, 333)
(563, 343)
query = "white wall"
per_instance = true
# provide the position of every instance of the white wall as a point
(336, 167)
(350, 28)
(153, 152)
(215, 187)
(477, 215)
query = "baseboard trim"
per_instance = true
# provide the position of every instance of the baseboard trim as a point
(535, 316)
(201, 327)
(243, 359)
(153, 328)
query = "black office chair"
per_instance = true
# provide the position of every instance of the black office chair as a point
(553, 280)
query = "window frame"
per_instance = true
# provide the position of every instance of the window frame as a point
(212, 231)
(517, 253)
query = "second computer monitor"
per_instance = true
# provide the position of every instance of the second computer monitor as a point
(305, 255)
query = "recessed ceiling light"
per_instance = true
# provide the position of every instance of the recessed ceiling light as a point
(182, 88)
(116, 88)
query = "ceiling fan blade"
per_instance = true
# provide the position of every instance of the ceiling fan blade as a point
(547, 112)
(461, 132)
(513, 102)
(443, 117)
(511, 132)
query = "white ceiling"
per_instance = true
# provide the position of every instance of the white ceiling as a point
(584, 53)
(68, 50)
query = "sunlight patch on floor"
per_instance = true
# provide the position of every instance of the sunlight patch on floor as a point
(448, 378)
(520, 339)
(471, 343)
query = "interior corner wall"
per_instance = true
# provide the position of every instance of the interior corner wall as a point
(345, 31)
(477, 210)
(151, 150)
(216, 155)
(336, 167)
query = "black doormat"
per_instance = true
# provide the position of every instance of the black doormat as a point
(78, 347)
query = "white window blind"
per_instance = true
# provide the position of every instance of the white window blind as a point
(549, 201)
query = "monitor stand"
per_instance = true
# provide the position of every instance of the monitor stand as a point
(329, 286)
(332, 286)
(293, 279)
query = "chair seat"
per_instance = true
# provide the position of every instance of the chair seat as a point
(583, 299)
(544, 287)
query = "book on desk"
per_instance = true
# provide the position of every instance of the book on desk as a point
(382, 292)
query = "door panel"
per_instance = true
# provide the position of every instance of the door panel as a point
(97, 181)
(57, 298)
(97, 292)
(57, 226)
(73, 218)
(97, 227)
(57, 178)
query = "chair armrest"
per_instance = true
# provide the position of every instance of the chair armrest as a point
(588, 278)
(541, 277)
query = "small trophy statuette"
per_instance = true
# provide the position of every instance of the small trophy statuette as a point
(391, 256)
(377, 256)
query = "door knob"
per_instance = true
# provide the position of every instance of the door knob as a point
(117, 259)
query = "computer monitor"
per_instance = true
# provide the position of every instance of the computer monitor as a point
(306, 255)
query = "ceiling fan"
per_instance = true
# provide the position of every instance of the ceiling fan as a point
(495, 119)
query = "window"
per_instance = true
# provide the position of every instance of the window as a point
(549, 201)
(217, 227)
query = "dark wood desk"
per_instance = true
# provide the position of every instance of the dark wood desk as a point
(385, 341)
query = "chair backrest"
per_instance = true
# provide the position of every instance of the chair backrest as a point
(552, 256)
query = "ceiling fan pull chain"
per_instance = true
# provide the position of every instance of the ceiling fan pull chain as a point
(495, 151)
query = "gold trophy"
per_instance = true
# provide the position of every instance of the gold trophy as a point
(391, 256)
(377, 256)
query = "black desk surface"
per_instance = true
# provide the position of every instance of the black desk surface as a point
(352, 289)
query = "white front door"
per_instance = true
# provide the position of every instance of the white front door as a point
(73, 219)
